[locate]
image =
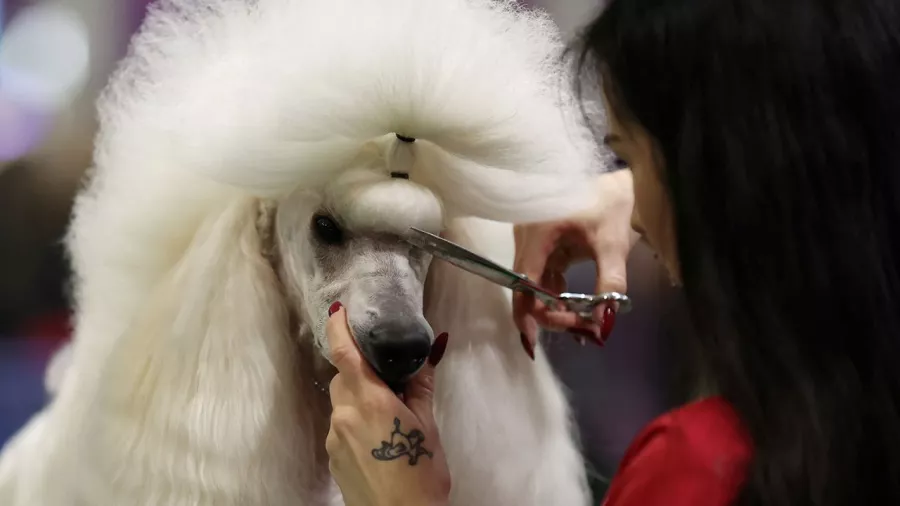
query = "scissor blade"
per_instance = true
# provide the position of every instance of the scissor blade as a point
(463, 258)
(481, 266)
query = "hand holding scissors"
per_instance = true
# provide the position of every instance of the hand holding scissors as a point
(581, 304)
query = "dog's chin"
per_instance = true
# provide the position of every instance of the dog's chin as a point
(397, 385)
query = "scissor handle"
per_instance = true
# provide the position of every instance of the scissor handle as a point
(579, 303)
(584, 304)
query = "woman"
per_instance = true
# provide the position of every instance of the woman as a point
(764, 142)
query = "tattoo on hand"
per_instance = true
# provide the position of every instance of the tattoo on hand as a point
(402, 444)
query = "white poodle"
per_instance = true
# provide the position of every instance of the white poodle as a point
(258, 160)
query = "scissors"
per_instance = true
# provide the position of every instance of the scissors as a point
(578, 303)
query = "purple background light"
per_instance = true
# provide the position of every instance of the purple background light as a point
(22, 129)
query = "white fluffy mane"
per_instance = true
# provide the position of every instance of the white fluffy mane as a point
(272, 94)
(269, 95)
(221, 103)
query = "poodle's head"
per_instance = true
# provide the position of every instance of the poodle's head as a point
(345, 243)
(477, 84)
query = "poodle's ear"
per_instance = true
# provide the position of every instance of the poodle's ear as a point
(487, 384)
(218, 323)
(452, 295)
(224, 285)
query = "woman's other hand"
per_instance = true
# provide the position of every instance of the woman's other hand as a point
(544, 251)
(384, 451)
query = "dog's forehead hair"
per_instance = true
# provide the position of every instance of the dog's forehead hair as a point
(367, 202)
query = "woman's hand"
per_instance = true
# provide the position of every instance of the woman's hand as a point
(544, 251)
(384, 451)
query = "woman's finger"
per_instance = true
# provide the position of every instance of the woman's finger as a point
(543, 317)
(557, 321)
(554, 281)
(531, 259)
(345, 355)
(561, 319)
(543, 267)
(523, 311)
(338, 390)
(612, 261)
(344, 352)
(612, 276)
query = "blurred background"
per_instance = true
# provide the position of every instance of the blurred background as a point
(55, 57)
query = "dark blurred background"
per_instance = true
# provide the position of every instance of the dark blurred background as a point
(55, 57)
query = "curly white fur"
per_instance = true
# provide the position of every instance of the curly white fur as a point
(185, 384)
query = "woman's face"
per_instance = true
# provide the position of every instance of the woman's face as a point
(652, 216)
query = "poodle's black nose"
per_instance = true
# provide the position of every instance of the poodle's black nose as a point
(399, 349)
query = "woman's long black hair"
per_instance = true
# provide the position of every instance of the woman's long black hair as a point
(778, 124)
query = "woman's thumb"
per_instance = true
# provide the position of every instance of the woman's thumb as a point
(419, 395)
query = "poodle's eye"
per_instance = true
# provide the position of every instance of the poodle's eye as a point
(327, 230)
(619, 163)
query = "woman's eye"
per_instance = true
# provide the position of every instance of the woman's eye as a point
(619, 163)
(327, 230)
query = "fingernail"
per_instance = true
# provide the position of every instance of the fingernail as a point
(335, 307)
(609, 321)
(529, 348)
(587, 334)
(438, 349)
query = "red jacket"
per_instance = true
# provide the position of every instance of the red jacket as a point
(693, 456)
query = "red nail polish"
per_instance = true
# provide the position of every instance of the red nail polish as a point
(335, 307)
(529, 349)
(438, 349)
(586, 334)
(609, 320)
